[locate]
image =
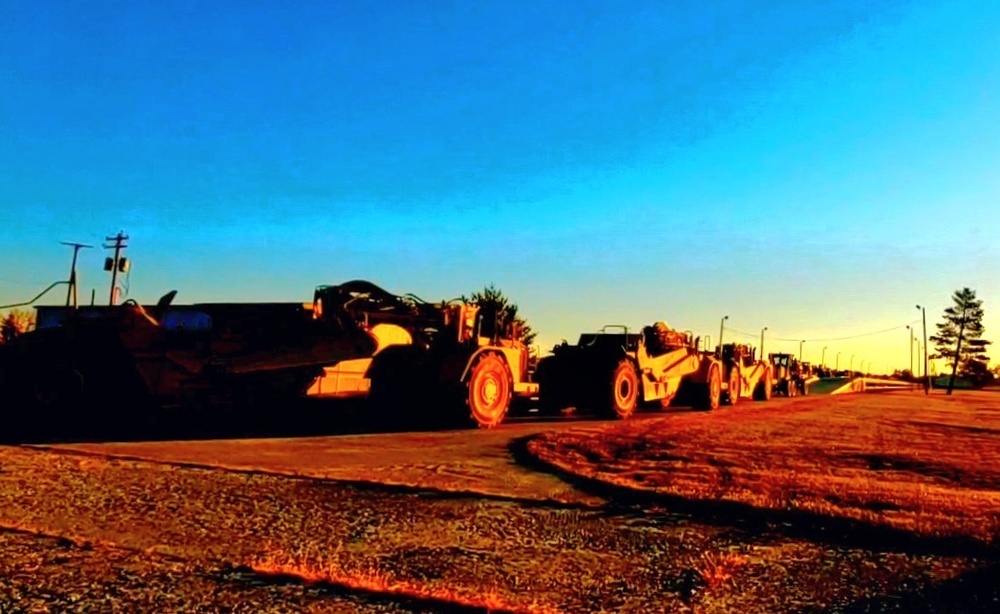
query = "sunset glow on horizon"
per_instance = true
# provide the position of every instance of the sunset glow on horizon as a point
(818, 170)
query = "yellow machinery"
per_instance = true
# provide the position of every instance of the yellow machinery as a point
(115, 363)
(745, 376)
(353, 339)
(612, 373)
(789, 375)
(444, 355)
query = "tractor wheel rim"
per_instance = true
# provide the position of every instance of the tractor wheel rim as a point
(624, 390)
(490, 391)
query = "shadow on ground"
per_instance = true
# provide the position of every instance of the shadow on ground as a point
(974, 592)
(306, 418)
(843, 532)
(302, 419)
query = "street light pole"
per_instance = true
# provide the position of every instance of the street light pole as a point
(822, 361)
(927, 377)
(800, 349)
(909, 333)
(851, 368)
(762, 342)
(837, 366)
(722, 328)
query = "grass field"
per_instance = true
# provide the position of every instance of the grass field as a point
(927, 465)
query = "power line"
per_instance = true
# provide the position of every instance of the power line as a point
(877, 332)
(824, 339)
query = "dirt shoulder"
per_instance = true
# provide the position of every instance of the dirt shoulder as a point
(40, 573)
(926, 465)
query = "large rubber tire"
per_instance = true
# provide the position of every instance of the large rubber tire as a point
(765, 389)
(734, 387)
(709, 394)
(489, 391)
(624, 397)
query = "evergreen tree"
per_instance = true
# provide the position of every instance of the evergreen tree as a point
(497, 310)
(958, 340)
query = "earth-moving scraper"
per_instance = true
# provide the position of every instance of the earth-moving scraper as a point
(745, 377)
(354, 339)
(92, 364)
(613, 371)
(452, 358)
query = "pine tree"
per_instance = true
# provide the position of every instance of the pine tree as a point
(958, 340)
(496, 308)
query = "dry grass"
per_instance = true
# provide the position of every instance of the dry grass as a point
(314, 565)
(717, 569)
(930, 465)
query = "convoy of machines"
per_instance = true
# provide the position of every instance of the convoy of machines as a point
(457, 359)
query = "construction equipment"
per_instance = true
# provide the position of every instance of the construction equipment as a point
(613, 373)
(745, 377)
(789, 375)
(453, 353)
(119, 360)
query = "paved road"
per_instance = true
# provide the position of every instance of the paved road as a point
(468, 460)
(476, 461)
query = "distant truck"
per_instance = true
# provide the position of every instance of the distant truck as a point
(613, 371)
(789, 375)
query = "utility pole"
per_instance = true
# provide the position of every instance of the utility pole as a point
(851, 368)
(800, 349)
(822, 361)
(115, 264)
(762, 342)
(837, 366)
(71, 291)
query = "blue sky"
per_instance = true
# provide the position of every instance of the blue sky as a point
(816, 168)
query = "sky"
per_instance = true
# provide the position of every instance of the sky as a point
(815, 168)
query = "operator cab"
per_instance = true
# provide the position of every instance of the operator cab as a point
(629, 341)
